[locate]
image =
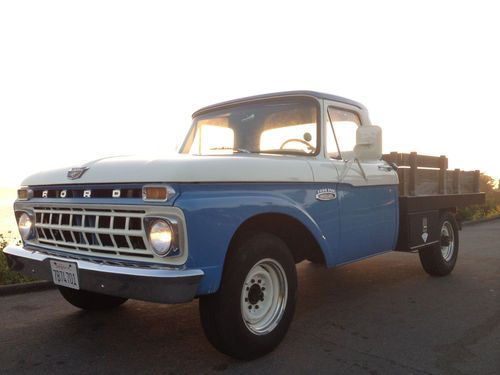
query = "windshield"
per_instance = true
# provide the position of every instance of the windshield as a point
(279, 126)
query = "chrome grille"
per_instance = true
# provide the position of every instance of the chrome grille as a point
(86, 230)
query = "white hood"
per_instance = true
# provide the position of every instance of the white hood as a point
(183, 168)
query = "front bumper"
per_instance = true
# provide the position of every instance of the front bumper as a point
(154, 285)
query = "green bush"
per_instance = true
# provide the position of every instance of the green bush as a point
(6, 275)
(492, 206)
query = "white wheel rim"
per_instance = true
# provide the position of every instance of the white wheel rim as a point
(447, 241)
(264, 296)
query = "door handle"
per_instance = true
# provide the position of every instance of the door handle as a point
(385, 168)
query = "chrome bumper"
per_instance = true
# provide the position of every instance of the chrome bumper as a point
(154, 285)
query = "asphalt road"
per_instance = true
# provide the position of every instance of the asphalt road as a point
(379, 316)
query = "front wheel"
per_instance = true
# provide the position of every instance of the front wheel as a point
(250, 314)
(89, 300)
(439, 260)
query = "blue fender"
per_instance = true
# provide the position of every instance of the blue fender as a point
(215, 212)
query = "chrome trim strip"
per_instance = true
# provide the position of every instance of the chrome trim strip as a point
(423, 245)
(47, 250)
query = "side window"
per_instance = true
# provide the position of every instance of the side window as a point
(341, 132)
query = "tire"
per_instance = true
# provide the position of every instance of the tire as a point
(89, 300)
(244, 319)
(439, 260)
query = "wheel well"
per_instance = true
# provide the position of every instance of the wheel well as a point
(297, 237)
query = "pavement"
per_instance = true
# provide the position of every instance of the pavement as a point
(383, 315)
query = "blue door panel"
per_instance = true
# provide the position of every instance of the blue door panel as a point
(369, 220)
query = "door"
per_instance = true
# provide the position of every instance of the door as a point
(367, 191)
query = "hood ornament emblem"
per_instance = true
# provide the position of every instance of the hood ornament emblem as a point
(75, 173)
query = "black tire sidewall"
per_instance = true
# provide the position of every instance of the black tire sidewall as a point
(432, 258)
(448, 217)
(235, 338)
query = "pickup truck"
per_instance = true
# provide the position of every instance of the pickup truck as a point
(259, 185)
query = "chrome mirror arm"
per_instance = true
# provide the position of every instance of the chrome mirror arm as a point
(348, 165)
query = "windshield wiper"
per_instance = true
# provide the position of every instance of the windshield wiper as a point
(285, 152)
(242, 150)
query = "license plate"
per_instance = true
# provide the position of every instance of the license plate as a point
(65, 274)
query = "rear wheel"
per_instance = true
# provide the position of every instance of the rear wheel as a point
(250, 314)
(439, 260)
(89, 300)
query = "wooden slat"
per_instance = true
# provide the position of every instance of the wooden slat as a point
(423, 161)
(456, 181)
(427, 182)
(428, 175)
(403, 181)
(412, 188)
(466, 182)
(476, 181)
(443, 165)
(449, 182)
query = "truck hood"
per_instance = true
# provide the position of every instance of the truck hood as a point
(183, 168)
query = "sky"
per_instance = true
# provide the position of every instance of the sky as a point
(84, 80)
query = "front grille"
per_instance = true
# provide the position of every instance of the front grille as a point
(109, 232)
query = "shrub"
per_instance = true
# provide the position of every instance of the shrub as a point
(492, 206)
(6, 275)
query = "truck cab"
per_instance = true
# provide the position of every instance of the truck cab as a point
(259, 185)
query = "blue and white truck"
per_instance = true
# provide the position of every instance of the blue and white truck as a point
(259, 185)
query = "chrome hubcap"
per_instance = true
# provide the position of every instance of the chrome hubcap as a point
(447, 241)
(263, 296)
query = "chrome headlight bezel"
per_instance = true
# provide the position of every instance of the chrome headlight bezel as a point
(172, 248)
(29, 233)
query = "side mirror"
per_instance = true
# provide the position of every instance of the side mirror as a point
(368, 143)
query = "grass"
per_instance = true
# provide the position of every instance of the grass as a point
(7, 276)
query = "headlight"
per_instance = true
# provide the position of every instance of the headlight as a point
(25, 225)
(161, 237)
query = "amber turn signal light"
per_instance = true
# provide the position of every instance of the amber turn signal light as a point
(24, 194)
(157, 193)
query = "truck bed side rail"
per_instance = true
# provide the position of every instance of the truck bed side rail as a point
(429, 175)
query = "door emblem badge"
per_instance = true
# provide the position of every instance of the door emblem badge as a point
(326, 194)
(75, 173)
